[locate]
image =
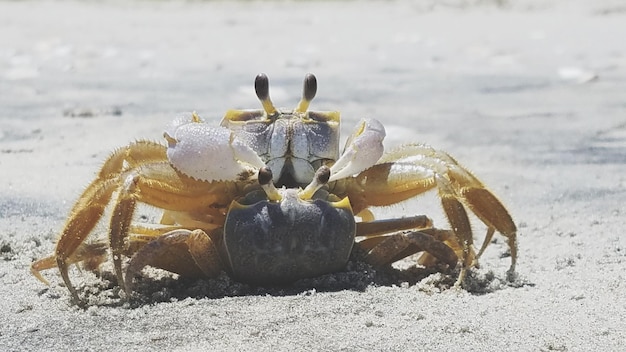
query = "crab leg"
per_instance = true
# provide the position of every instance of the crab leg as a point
(393, 247)
(172, 251)
(158, 184)
(415, 169)
(141, 173)
(90, 206)
(120, 223)
(91, 255)
(385, 245)
(379, 227)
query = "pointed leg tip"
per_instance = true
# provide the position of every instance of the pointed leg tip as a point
(511, 274)
(128, 294)
(475, 263)
(127, 286)
(75, 299)
(459, 284)
(39, 277)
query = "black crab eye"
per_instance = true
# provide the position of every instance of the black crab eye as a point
(262, 86)
(262, 89)
(265, 175)
(323, 174)
(310, 87)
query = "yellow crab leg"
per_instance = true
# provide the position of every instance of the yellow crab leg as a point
(379, 227)
(91, 256)
(192, 253)
(414, 169)
(159, 185)
(83, 218)
(393, 247)
(91, 204)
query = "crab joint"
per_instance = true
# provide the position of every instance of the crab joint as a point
(262, 89)
(319, 180)
(308, 93)
(265, 180)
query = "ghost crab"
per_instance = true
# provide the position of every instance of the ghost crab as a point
(267, 197)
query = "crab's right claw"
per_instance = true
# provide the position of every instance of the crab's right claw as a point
(363, 149)
(209, 153)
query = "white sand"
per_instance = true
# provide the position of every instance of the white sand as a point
(531, 97)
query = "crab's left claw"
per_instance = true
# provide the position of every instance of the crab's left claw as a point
(209, 153)
(363, 149)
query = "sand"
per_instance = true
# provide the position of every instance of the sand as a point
(529, 95)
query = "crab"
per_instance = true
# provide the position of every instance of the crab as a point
(268, 198)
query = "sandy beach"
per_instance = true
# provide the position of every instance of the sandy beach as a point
(528, 95)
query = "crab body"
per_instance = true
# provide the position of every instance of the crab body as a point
(269, 242)
(291, 146)
(267, 197)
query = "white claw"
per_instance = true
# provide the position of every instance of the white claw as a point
(362, 151)
(209, 153)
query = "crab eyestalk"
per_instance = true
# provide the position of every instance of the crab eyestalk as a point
(321, 178)
(265, 180)
(262, 89)
(309, 90)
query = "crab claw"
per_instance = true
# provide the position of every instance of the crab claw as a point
(363, 149)
(209, 153)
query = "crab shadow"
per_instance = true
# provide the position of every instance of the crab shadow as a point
(156, 286)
